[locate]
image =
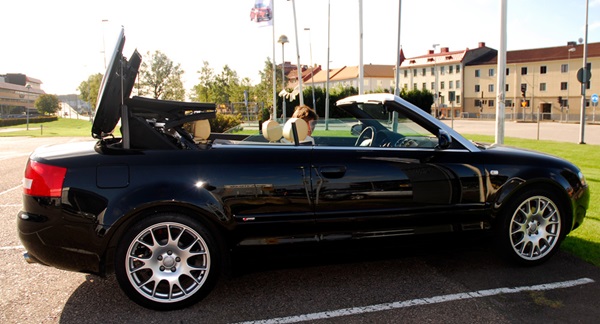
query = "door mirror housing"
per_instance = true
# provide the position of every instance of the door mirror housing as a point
(444, 140)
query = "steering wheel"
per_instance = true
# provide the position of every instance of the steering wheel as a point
(366, 137)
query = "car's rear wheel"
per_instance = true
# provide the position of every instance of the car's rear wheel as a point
(531, 227)
(167, 261)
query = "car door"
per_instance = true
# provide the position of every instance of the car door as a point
(264, 187)
(376, 191)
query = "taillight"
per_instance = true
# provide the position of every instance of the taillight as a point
(43, 180)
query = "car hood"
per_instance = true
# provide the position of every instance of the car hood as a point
(116, 86)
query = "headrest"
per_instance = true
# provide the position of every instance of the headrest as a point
(301, 128)
(272, 131)
(201, 129)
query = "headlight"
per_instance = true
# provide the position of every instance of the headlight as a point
(582, 178)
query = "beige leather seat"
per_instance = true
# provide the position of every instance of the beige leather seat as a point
(272, 131)
(201, 130)
(301, 128)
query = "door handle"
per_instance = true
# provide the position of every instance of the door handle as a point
(333, 172)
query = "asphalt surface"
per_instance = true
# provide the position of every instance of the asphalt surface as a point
(441, 281)
(551, 131)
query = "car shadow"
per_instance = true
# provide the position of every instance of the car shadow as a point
(276, 281)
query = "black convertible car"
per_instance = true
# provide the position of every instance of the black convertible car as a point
(163, 205)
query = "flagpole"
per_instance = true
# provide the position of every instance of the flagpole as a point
(274, 112)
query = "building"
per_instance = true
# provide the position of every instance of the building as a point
(442, 74)
(540, 80)
(376, 78)
(18, 93)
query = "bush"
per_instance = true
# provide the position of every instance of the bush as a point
(23, 121)
(224, 122)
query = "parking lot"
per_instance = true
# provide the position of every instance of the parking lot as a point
(438, 282)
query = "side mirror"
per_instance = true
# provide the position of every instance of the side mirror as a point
(444, 140)
(356, 129)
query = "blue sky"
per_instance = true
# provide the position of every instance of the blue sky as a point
(61, 42)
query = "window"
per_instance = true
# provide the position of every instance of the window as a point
(564, 68)
(414, 72)
(507, 71)
(450, 69)
(563, 86)
(457, 84)
(523, 86)
(405, 86)
(458, 99)
(442, 70)
(490, 88)
(424, 85)
(379, 83)
(433, 71)
(432, 85)
(491, 72)
(506, 87)
(477, 88)
(524, 70)
(508, 103)
(450, 84)
(490, 103)
(423, 71)
(543, 69)
(542, 86)
(458, 69)
(477, 73)
(415, 85)
(442, 85)
(406, 73)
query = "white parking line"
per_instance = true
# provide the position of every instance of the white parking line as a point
(11, 189)
(421, 301)
(17, 247)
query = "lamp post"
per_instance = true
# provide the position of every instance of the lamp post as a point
(28, 86)
(312, 68)
(282, 39)
(436, 95)
(572, 49)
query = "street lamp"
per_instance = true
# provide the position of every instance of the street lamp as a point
(28, 86)
(312, 68)
(436, 95)
(572, 49)
(282, 39)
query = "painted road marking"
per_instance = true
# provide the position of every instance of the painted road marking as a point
(11, 189)
(421, 301)
(16, 247)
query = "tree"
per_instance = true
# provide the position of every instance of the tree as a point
(420, 98)
(161, 78)
(46, 104)
(89, 89)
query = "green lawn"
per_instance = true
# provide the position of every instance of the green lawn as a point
(583, 242)
(62, 127)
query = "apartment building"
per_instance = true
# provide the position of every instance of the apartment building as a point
(541, 80)
(442, 74)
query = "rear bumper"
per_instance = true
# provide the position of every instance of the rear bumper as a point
(54, 244)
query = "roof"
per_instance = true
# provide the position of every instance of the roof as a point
(443, 57)
(16, 87)
(541, 54)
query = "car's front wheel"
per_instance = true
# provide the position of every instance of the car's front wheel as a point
(167, 261)
(531, 226)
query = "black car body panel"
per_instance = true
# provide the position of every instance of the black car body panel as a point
(414, 176)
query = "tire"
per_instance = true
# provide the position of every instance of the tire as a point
(532, 226)
(167, 261)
